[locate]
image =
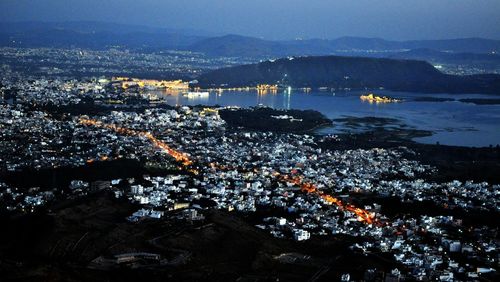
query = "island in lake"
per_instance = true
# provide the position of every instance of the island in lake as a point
(372, 98)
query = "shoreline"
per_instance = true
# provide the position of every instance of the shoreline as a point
(453, 162)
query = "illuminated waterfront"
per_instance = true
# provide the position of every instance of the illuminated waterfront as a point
(453, 122)
(181, 166)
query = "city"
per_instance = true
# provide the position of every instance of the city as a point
(217, 141)
(299, 189)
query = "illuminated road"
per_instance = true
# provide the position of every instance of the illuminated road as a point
(178, 156)
(310, 188)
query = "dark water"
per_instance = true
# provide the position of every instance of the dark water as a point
(453, 122)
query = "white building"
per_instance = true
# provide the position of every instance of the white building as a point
(301, 235)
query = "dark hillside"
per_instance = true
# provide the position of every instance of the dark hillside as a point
(350, 72)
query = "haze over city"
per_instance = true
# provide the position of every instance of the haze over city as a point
(280, 19)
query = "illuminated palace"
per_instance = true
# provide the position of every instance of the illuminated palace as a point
(266, 88)
(371, 98)
(126, 82)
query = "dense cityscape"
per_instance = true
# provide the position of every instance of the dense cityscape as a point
(249, 141)
(299, 189)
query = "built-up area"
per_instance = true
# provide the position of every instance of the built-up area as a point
(304, 191)
(78, 62)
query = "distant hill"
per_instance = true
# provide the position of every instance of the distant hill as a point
(461, 45)
(351, 72)
(235, 45)
(93, 27)
(96, 35)
(446, 57)
(87, 34)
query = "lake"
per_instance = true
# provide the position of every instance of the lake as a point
(453, 122)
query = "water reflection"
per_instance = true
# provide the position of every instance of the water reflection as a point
(454, 123)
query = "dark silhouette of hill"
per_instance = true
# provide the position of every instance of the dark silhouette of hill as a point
(87, 34)
(93, 27)
(446, 57)
(351, 72)
(238, 46)
(242, 46)
(95, 35)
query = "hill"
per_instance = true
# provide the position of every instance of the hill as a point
(237, 46)
(93, 27)
(242, 46)
(447, 57)
(350, 72)
(94, 35)
(88, 34)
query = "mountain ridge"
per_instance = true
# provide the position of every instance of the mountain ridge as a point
(82, 34)
(350, 72)
(261, 47)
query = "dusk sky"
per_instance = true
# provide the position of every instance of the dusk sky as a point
(280, 19)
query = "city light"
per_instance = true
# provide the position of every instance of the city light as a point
(178, 156)
(310, 188)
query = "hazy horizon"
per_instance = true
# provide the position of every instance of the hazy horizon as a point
(207, 33)
(279, 19)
